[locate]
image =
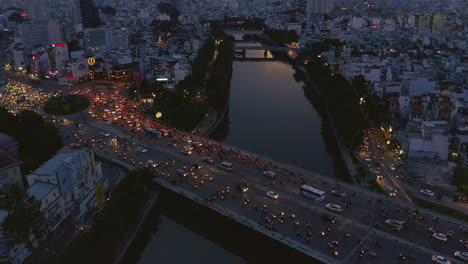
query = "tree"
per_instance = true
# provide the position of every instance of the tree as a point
(24, 217)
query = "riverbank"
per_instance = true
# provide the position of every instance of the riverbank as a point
(344, 151)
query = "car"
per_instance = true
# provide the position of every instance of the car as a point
(142, 150)
(338, 193)
(104, 134)
(272, 195)
(379, 177)
(172, 144)
(188, 147)
(208, 159)
(269, 174)
(151, 163)
(392, 167)
(334, 207)
(391, 191)
(208, 177)
(197, 166)
(328, 218)
(463, 242)
(440, 260)
(367, 158)
(197, 144)
(440, 236)
(398, 224)
(182, 173)
(187, 139)
(427, 192)
(461, 255)
(186, 151)
(243, 187)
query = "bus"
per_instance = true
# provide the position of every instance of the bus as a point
(312, 192)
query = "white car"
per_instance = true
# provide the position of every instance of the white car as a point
(338, 193)
(187, 139)
(392, 167)
(461, 255)
(272, 195)
(439, 236)
(151, 163)
(269, 174)
(367, 158)
(186, 151)
(208, 159)
(334, 207)
(427, 192)
(104, 134)
(440, 259)
(142, 150)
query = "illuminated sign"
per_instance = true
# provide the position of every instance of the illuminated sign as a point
(59, 44)
(91, 61)
(35, 57)
(161, 79)
(158, 115)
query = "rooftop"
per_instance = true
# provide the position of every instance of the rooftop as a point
(53, 164)
(7, 159)
(41, 189)
(7, 140)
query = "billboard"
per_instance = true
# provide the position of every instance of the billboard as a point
(65, 178)
(70, 172)
(85, 164)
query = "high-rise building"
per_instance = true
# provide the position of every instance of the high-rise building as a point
(438, 23)
(76, 15)
(34, 33)
(38, 9)
(89, 14)
(317, 7)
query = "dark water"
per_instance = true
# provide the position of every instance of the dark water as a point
(269, 114)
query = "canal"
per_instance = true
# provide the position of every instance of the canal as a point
(269, 114)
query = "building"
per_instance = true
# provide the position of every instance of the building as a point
(438, 23)
(431, 141)
(10, 172)
(71, 183)
(319, 7)
(38, 9)
(59, 57)
(34, 33)
(163, 70)
(89, 14)
(97, 40)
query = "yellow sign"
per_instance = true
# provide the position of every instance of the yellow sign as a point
(100, 195)
(91, 61)
(158, 115)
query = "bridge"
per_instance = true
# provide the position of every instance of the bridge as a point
(271, 48)
(292, 219)
(253, 59)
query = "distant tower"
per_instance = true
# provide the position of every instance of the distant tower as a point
(89, 14)
(316, 8)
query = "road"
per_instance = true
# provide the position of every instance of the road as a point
(365, 220)
(399, 178)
